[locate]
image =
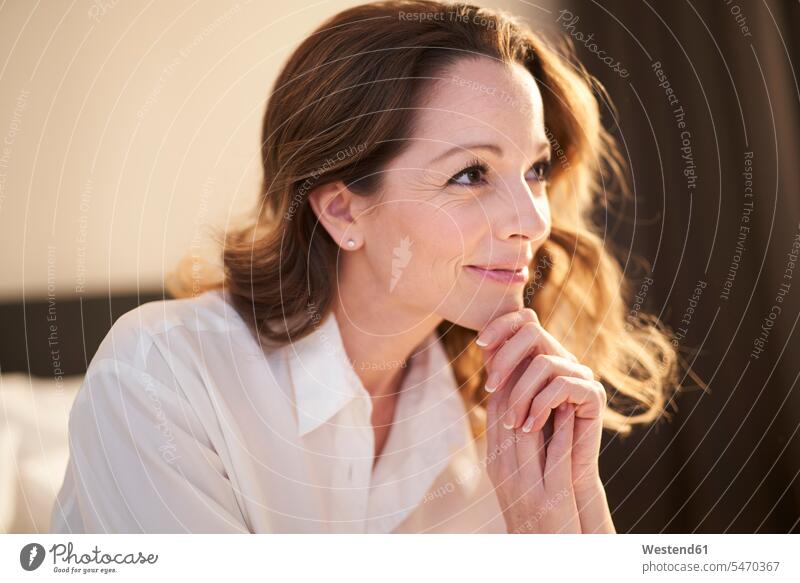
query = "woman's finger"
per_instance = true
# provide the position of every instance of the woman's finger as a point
(500, 443)
(541, 371)
(530, 340)
(527, 448)
(588, 397)
(492, 413)
(587, 438)
(506, 438)
(558, 459)
(504, 326)
(531, 457)
(492, 338)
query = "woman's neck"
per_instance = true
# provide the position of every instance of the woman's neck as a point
(379, 339)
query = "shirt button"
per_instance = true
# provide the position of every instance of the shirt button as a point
(350, 472)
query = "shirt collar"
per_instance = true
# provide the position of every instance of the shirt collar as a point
(323, 378)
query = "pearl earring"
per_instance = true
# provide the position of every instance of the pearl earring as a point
(351, 243)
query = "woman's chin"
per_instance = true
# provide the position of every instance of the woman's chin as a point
(481, 312)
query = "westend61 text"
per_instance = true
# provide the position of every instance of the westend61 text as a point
(673, 550)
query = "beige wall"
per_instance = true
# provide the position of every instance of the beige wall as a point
(128, 128)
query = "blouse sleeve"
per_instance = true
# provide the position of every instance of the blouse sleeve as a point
(140, 460)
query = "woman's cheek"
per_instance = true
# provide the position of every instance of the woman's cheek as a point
(428, 244)
(459, 239)
(423, 250)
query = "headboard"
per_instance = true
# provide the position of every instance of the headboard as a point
(60, 336)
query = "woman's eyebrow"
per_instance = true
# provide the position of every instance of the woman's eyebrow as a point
(543, 146)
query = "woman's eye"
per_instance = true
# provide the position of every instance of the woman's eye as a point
(470, 176)
(541, 170)
(473, 175)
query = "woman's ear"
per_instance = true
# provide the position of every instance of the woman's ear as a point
(334, 203)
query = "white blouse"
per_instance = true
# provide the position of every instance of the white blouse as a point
(185, 424)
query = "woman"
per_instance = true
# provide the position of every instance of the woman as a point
(428, 173)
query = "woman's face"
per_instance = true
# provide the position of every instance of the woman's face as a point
(468, 191)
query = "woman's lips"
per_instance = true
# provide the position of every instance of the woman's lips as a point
(500, 275)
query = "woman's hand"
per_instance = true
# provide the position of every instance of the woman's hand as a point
(547, 480)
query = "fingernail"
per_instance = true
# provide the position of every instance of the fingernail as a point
(483, 340)
(492, 382)
(508, 422)
(528, 425)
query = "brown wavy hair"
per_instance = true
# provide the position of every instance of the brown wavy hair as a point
(343, 107)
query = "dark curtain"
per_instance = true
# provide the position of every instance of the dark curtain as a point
(714, 221)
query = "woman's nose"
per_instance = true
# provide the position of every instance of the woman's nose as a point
(524, 214)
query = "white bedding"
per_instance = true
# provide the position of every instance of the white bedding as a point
(33, 448)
